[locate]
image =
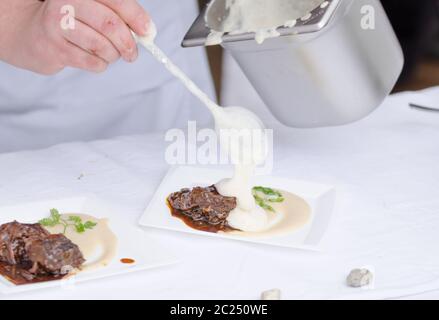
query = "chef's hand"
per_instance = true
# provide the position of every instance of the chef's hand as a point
(37, 36)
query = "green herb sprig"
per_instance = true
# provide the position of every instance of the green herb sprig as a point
(72, 221)
(264, 196)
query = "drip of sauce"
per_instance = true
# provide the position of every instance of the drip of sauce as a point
(245, 153)
(324, 4)
(290, 23)
(127, 261)
(199, 225)
(98, 245)
(214, 38)
(261, 17)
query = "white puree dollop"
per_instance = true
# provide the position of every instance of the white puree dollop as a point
(245, 153)
(261, 17)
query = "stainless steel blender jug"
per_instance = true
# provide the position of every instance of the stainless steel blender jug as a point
(326, 70)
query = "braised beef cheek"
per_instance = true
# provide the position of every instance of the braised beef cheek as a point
(29, 253)
(202, 208)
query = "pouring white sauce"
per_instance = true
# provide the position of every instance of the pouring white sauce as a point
(246, 154)
(261, 17)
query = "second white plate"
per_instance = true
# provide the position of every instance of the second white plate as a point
(133, 242)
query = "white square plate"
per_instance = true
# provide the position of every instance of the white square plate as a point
(320, 198)
(148, 255)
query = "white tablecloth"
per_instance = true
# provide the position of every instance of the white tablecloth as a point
(385, 168)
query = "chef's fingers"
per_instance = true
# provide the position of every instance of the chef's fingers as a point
(131, 12)
(105, 21)
(91, 41)
(76, 57)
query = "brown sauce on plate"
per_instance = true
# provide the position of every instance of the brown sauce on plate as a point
(127, 261)
(198, 225)
(20, 276)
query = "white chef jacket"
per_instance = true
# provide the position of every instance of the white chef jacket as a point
(39, 111)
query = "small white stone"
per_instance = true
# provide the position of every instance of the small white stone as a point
(273, 294)
(359, 278)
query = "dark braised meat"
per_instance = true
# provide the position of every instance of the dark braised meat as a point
(34, 251)
(15, 239)
(203, 204)
(55, 254)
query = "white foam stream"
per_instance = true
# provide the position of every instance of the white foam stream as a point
(245, 153)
